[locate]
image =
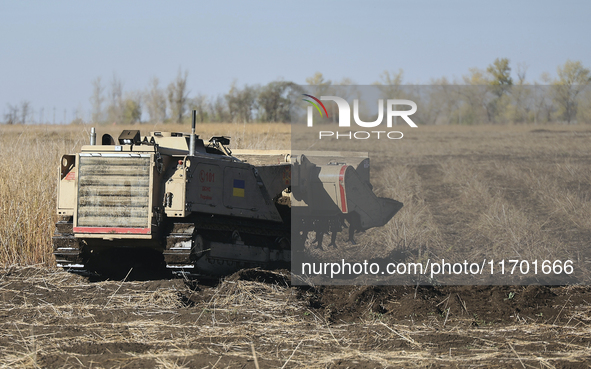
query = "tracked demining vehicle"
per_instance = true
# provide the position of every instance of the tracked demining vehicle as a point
(204, 209)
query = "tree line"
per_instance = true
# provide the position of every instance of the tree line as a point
(267, 103)
(491, 95)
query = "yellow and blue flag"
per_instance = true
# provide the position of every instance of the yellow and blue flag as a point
(238, 189)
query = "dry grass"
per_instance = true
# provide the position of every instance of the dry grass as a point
(494, 192)
(55, 320)
(28, 176)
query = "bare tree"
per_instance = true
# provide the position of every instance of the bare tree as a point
(12, 116)
(219, 110)
(478, 97)
(177, 96)
(199, 103)
(390, 85)
(521, 95)
(115, 109)
(78, 115)
(156, 102)
(96, 100)
(132, 108)
(390, 79)
(442, 105)
(542, 103)
(320, 87)
(25, 111)
(521, 73)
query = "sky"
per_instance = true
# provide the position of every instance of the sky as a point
(51, 51)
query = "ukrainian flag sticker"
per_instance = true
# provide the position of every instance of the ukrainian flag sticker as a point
(238, 189)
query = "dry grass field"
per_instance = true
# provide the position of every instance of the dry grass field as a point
(485, 191)
(51, 319)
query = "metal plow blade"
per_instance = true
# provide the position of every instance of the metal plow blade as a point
(330, 191)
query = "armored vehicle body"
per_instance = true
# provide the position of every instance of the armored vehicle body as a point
(206, 209)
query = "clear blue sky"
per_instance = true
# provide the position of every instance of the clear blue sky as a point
(50, 51)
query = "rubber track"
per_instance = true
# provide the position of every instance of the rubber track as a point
(67, 249)
(178, 243)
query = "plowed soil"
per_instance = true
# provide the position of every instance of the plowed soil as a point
(52, 319)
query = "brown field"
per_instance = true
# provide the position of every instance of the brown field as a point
(480, 192)
(467, 191)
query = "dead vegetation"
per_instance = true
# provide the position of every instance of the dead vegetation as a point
(51, 319)
(469, 191)
(485, 192)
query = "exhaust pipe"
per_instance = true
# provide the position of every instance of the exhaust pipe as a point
(192, 139)
(92, 136)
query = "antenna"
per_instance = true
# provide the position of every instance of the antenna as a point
(192, 139)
